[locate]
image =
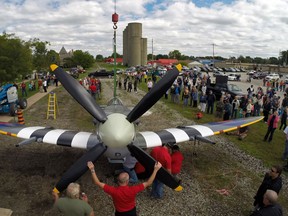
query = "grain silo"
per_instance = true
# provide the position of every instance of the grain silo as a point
(134, 46)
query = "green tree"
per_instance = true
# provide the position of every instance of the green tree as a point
(175, 54)
(241, 59)
(160, 56)
(15, 58)
(68, 63)
(41, 60)
(184, 57)
(248, 59)
(99, 57)
(117, 55)
(85, 59)
(150, 57)
(53, 57)
(273, 60)
(192, 57)
(259, 60)
(283, 59)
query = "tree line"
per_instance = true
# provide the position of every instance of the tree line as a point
(18, 58)
(176, 54)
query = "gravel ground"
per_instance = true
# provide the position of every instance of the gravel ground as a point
(28, 174)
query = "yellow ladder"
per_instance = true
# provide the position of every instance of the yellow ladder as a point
(52, 105)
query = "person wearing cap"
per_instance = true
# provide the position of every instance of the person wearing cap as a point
(161, 154)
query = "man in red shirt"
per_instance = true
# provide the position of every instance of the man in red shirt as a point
(93, 90)
(177, 159)
(161, 154)
(124, 196)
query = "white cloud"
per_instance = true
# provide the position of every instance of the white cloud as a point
(245, 27)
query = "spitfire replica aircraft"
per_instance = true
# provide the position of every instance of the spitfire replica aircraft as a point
(116, 135)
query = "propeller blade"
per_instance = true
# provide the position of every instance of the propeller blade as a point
(148, 162)
(154, 94)
(79, 93)
(79, 167)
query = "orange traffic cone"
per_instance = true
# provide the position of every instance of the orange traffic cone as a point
(20, 116)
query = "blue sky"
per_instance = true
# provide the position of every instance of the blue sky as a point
(240, 27)
(208, 3)
(198, 3)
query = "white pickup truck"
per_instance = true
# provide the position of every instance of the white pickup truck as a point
(272, 77)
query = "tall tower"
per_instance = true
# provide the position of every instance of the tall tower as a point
(134, 46)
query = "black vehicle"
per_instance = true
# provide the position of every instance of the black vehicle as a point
(222, 86)
(101, 73)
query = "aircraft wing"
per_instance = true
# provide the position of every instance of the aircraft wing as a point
(180, 134)
(50, 135)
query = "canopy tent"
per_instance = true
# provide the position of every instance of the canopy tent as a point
(194, 63)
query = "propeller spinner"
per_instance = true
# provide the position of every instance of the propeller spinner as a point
(117, 131)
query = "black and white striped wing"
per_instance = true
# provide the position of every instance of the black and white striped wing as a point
(68, 138)
(149, 139)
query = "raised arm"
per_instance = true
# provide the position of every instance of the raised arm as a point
(157, 166)
(94, 176)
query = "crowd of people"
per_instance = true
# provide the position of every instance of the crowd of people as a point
(92, 85)
(41, 84)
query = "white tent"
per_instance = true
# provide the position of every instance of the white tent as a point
(194, 63)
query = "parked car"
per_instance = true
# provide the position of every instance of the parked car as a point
(161, 70)
(251, 72)
(204, 69)
(272, 77)
(218, 73)
(286, 79)
(234, 77)
(74, 73)
(260, 75)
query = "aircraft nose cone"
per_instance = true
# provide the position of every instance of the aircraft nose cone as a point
(117, 131)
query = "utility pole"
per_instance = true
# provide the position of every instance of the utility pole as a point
(213, 54)
(152, 50)
(115, 18)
